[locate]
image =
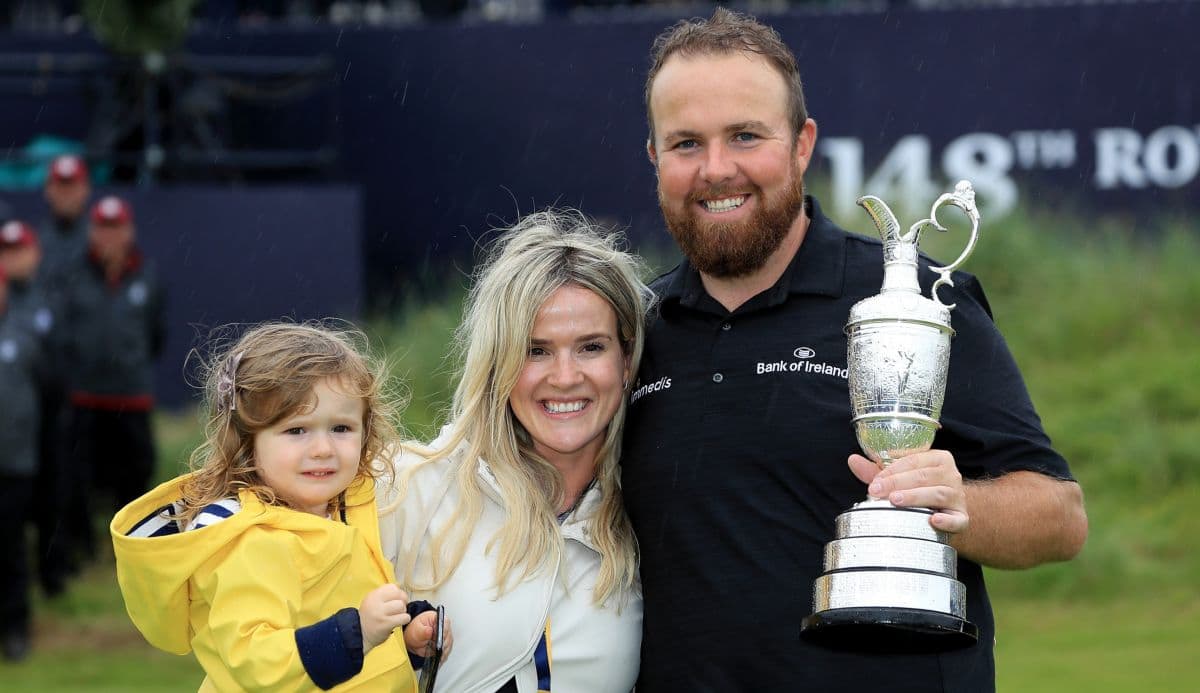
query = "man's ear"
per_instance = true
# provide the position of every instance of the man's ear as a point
(806, 142)
(651, 152)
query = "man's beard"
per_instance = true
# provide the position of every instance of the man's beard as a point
(734, 249)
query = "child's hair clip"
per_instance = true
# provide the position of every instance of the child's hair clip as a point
(227, 384)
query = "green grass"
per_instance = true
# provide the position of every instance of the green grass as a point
(83, 641)
(419, 343)
(1105, 326)
(115, 669)
(1145, 642)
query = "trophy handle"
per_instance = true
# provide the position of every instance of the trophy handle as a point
(963, 197)
(885, 220)
(899, 250)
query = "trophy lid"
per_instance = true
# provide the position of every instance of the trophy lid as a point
(900, 306)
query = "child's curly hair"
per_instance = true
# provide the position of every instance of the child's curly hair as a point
(268, 375)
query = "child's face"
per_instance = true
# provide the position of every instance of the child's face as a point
(312, 456)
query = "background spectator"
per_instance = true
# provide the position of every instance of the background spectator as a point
(113, 316)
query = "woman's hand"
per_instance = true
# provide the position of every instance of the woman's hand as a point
(419, 634)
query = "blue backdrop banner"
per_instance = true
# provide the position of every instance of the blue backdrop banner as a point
(453, 129)
(235, 256)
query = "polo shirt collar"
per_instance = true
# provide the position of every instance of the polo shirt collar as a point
(819, 266)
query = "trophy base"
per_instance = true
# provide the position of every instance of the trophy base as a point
(888, 629)
(890, 585)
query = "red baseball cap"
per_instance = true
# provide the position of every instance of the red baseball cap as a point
(16, 234)
(68, 168)
(111, 210)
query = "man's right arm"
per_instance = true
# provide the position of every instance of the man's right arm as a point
(1016, 520)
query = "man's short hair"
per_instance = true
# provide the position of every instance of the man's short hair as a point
(724, 33)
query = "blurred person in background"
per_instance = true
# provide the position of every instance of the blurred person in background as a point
(64, 236)
(63, 242)
(20, 257)
(114, 329)
(19, 372)
(733, 474)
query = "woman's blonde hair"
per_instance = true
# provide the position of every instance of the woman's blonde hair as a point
(267, 375)
(527, 263)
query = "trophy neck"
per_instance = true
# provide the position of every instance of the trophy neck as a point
(900, 276)
(900, 299)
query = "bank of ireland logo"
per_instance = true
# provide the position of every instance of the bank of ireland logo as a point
(804, 362)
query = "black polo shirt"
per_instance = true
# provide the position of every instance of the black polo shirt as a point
(735, 468)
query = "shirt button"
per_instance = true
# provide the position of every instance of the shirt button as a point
(717, 377)
(726, 326)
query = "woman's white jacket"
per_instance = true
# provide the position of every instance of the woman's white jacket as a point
(592, 649)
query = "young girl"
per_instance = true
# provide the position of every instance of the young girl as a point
(265, 560)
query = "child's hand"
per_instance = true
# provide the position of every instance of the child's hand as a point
(381, 612)
(419, 634)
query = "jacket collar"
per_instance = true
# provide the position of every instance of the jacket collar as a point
(133, 262)
(575, 526)
(578, 523)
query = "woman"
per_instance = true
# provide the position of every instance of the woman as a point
(512, 518)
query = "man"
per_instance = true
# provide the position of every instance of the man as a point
(62, 247)
(732, 470)
(20, 258)
(20, 364)
(114, 319)
(64, 232)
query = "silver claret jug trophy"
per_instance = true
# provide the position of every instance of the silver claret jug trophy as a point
(891, 580)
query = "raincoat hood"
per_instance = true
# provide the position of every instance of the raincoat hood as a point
(153, 572)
